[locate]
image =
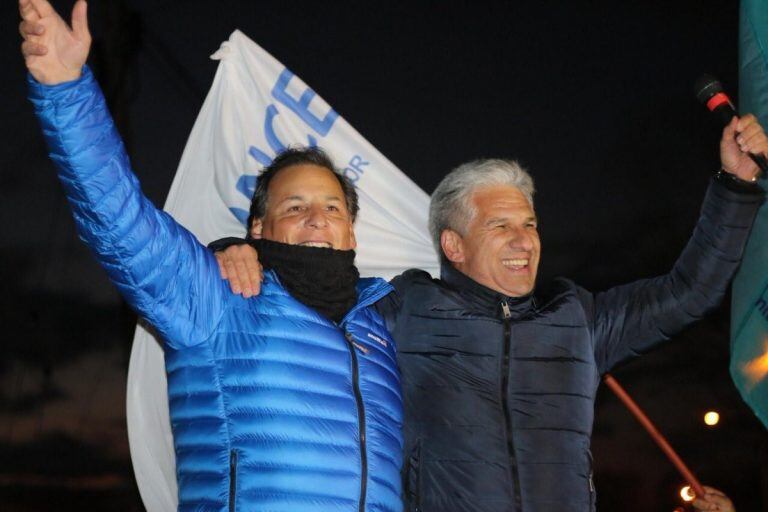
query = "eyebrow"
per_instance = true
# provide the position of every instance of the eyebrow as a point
(302, 198)
(495, 220)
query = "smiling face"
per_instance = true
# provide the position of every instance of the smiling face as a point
(501, 246)
(306, 206)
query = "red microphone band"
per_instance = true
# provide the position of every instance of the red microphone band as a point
(718, 99)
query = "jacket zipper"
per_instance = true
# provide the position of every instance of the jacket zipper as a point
(412, 479)
(591, 482)
(507, 313)
(360, 418)
(232, 480)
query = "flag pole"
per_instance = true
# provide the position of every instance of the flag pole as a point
(655, 434)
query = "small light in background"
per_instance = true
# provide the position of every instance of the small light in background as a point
(711, 418)
(687, 493)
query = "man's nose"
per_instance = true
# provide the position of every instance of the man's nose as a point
(521, 239)
(316, 218)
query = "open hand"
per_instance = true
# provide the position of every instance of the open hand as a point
(239, 264)
(53, 52)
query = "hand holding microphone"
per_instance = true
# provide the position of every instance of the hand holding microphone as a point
(743, 148)
(744, 145)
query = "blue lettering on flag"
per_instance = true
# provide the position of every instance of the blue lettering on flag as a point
(354, 168)
(274, 142)
(240, 214)
(260, 156)
(301, 107)
(246, 184)
(269, 130)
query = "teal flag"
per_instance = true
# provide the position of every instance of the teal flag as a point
(749, 320)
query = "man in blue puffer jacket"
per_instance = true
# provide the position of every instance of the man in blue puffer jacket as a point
(284, 402)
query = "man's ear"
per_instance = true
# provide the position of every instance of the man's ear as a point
(256, 227)
(452, 245)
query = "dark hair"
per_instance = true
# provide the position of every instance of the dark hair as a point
(298, 155)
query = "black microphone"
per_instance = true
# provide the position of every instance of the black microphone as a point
(709, 91)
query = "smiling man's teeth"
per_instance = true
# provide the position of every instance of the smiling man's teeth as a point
(516, 263)
(326, 245)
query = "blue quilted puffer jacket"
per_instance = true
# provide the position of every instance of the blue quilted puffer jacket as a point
(273, 407)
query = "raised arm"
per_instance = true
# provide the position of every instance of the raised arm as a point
(632, 318)
(158, 266)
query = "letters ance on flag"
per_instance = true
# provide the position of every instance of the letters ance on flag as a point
(255, 108)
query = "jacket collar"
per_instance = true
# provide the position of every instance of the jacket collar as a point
(369, 291)
(485, 300)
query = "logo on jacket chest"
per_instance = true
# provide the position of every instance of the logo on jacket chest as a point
(380, 341)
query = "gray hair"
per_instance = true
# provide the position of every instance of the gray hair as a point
(451, 204)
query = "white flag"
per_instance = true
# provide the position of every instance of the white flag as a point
(255, 108)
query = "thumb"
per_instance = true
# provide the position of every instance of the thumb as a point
(729, 132)
(80, 20)
(43, 8)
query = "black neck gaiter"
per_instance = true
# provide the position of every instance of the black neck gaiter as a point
(323, 279)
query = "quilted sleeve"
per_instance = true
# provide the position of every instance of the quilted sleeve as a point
(630, 319)
(160, 268)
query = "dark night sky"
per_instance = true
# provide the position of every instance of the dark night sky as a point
(595, 98)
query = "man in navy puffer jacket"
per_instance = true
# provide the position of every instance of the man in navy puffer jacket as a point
(289, 401)
(499, 382)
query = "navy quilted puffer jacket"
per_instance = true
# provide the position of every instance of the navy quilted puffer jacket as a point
(273, 407)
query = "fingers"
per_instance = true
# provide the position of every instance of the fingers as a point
(31, 32)
(28, 11)
(30, 49)
(233, 276)
(751, 137)
(248, 268)
(221, 258)
(65, 50)
(244, 278)
(80, 21)
(745, 121)
(29, 29)
(254, 273)
(729, 148)
(239, 264)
